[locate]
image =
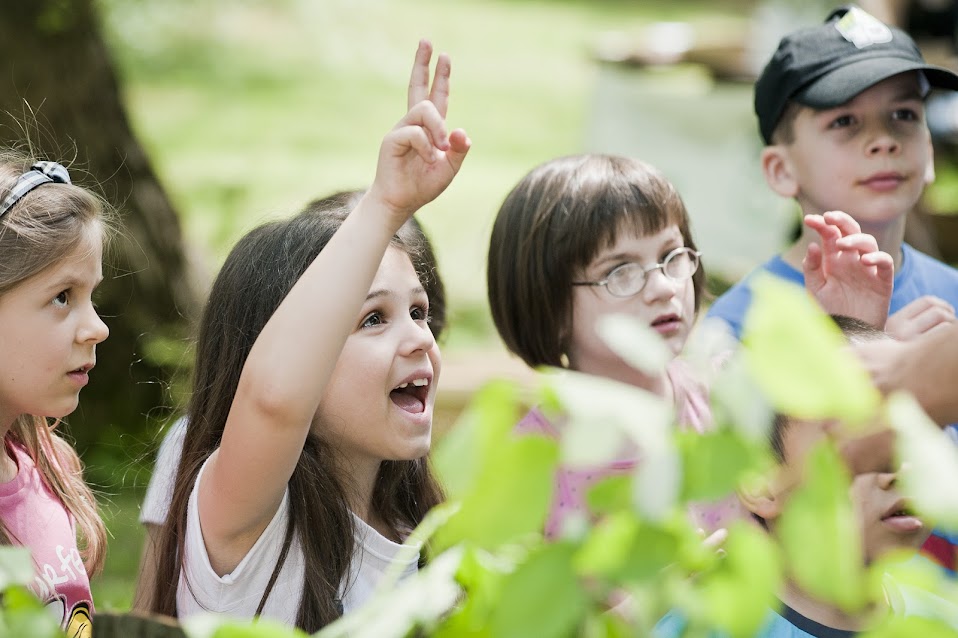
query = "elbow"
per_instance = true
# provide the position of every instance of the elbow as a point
(272, 401)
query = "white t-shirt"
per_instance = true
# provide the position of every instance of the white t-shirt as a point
(159, 492)
(238, 593)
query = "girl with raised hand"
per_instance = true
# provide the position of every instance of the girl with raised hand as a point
(304, 462)
(51, 244)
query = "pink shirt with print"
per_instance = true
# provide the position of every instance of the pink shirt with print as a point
(36, 519)
(692, 410)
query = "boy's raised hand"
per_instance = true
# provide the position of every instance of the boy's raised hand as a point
(418, 157)
(847, 273)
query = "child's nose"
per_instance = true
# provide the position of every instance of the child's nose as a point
(658, 285)
(887, 480)
(416, 337)
(884, 142)
(93, 329)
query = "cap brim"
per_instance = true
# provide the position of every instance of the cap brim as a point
(842, 84)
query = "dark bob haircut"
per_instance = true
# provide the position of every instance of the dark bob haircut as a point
(552, 225)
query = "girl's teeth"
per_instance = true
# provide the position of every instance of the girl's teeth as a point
(419, 383)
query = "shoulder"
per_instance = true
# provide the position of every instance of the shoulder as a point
(238, 592)
(733, 303)
(171, 448)
(159, 491)
(921, 275)
(917, 263)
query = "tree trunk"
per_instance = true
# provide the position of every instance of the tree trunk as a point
(59, 92)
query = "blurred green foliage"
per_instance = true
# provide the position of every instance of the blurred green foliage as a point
(250, 109)
(513, 583)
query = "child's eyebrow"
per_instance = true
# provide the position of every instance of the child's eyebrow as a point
(72, 282)
(383, 292)
(620, 256)
(908, 94)
(377, 294)
(668, 244)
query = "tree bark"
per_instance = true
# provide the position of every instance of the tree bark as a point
(59, 93)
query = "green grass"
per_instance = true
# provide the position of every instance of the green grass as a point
(113, 589)
(250, 113)
(251, 109)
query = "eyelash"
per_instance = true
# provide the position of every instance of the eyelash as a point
(843, 121)
(422, 310)
(912, 115)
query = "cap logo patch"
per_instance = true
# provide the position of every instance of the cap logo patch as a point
(863, 29)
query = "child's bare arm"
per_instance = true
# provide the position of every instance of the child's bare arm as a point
(295, 355)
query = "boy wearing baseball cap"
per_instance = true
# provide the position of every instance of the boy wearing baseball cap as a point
(840, 108)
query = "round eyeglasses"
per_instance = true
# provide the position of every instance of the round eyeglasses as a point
(630, 278)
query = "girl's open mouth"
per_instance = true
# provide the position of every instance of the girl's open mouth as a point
(411, 396)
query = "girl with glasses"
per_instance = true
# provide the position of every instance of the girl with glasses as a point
(579, 238)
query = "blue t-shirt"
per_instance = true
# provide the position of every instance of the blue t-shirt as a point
(787, 624)
(918, 276)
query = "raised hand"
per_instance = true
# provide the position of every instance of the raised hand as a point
(847, 273)
(418, 158)
(918, 317)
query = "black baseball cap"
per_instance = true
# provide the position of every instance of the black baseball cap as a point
(828, 65)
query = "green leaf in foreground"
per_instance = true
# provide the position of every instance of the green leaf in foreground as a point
(542, 597)
(713, 463)
(800, 359)
(738, 594)
(475, 437)
(820, 535)
(418, 601)
(911, 627)
(16, 566)
(610, 421)
(929, 459)
(510, 496)
(24, 615)
(637, 344)
(481, 575)
(918, 588)
(622, 548)
(607, 419)
(217, 626)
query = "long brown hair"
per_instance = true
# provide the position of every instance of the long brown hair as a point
(47, 223)
(257, 275)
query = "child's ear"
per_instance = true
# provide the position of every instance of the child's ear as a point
(759, 498)
(930, 168)
(777, 168)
